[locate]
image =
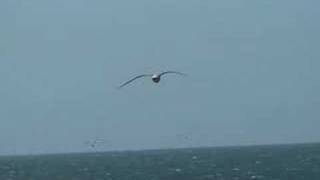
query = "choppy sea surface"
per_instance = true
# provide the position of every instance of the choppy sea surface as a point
(275, 162)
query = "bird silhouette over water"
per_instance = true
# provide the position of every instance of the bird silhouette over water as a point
(94, 143)
(156, 78)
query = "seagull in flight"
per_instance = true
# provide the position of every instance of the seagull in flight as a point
(154, 77)
(94, 143)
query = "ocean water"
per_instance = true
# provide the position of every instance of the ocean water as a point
(292, 162)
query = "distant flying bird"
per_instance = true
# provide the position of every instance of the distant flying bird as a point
(155, 77)
(94, 143)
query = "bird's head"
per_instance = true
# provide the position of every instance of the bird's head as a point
(155, 76)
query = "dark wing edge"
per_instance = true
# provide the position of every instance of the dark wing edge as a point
(137, 77)
(173, 72)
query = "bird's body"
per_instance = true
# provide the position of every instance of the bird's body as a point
(154, 77)
(94, 143)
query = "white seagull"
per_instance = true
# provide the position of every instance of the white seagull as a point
(155, 77)
(94, 143)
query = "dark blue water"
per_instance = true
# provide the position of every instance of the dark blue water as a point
(300, 161)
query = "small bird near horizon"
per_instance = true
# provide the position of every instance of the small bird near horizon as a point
(94, 143)
(156, 78)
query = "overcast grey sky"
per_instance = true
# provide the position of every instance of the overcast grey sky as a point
(253, 73)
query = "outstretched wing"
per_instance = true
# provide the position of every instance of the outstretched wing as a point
(137, 77)
(173, 72)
